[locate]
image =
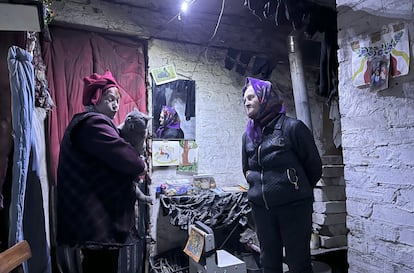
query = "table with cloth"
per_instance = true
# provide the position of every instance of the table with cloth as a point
(216, 210)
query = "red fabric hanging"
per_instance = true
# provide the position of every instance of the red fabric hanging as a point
(75, 54)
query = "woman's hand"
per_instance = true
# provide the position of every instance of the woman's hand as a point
(145, 169)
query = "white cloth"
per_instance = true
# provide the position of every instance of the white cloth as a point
(335, 116)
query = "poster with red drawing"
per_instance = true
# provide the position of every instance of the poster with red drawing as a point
(373, 54)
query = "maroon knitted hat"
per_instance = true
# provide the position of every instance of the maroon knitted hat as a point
(95, 85)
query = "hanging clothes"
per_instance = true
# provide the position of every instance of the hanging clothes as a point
(21, 75)
(335, 116)
(8, 38)
(36, 231)
(323, 20)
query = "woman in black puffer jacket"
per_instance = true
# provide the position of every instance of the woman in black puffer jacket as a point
(281, 163)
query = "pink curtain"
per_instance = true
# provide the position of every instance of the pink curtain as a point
(74, 54)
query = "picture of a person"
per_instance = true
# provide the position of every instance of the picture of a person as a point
(169, 124)
(379, 75)
(375, 77)
(383, 73)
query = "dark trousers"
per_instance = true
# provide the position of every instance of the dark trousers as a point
(100, 261)
(288, 226)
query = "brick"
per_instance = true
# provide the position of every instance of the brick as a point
(332, 170)
(356, 194)
(331, 193)
(393, 215)
(331, 181)
(329, 207)
(407, 236)
(331, 230)
(361, 263)
(332, 242)
(359, 208)
(399, 254)
(332, 160)
(328, 219)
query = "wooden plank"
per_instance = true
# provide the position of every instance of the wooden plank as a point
(14, 256)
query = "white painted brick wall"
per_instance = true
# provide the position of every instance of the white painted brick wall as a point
(378, 149)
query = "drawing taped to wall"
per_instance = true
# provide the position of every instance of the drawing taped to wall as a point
(189, 157)
(165, 153)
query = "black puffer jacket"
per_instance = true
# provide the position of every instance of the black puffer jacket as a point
(287, 148)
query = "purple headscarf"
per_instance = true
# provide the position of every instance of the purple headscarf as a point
(171, 120)
(271, 104)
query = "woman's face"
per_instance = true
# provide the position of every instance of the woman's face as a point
(161, 118)
(109, 103)
(251, 102)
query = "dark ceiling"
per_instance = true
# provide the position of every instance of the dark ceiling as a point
(238, 24)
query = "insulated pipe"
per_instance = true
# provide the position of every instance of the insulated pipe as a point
(297, 75)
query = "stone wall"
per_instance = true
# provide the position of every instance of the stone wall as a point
(378, 148)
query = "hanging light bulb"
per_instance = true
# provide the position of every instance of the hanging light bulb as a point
(184, 6)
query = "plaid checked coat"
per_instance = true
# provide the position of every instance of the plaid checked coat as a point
(95, 196)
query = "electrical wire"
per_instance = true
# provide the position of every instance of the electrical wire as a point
(219, 20)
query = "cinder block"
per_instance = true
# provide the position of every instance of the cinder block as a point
(328, 219)
(331, 181)
(331, 230)
(329, 207)
(332, 170)
(332, 242)
(329, 193)
(332, 160)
